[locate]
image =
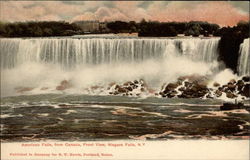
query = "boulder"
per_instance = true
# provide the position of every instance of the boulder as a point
(183, 95)
(117, 86)
(216, 84)
(122, 90)
(194, 89)
(134, 86)
(143, 89)
(240, 84)
(246, 90)
(201, 83)
(170, 95)
(187, 84)
(128, 83)
(171, 86)
(230, 95)
(233, 81)
(201, 86)
(220, 88)
(224, 86)
(136, 82)
(218, 93)
(246, 78)
(166, 92)
(231, 86)
(181, 89)
(188, 94)
(115, 92)
(129, 88)
(209, 96)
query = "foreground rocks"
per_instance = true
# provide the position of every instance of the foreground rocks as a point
(234, 88)
(197, 87)
(130, 88)
(186, 87)
(193, 86)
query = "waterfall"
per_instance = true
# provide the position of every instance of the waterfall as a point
(40, 63)
(70, 52)
(244, 58)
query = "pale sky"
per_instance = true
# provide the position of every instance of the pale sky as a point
(223, 13)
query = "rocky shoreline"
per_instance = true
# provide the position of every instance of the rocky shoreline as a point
(193, 86)
(186, 87)
(197, 87)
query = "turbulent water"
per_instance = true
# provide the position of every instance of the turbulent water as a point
(244, 58)
(39, 67)
(80, 118)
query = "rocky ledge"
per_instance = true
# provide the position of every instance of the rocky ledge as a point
(130, 88)
(193, 86)
(197, 87)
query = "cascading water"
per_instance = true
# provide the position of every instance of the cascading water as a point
(70, 52)
(91, 89)
(244, 58)
(45, 62)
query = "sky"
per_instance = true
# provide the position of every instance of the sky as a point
(224, 13)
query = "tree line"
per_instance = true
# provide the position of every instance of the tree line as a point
(163, 29)
(38, 29)
(144, 28)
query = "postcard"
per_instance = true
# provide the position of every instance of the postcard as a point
(124, 80)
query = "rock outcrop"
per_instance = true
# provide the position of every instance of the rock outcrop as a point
(130, 88)
(186, 87)
(197, 87)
